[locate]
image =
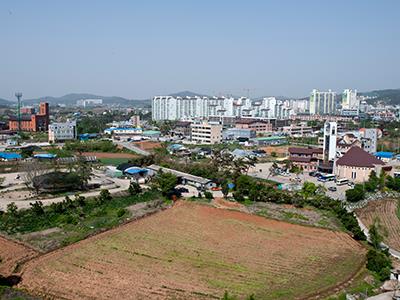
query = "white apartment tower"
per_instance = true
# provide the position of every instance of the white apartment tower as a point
(330, 139)
(350, 100)
(322, 103)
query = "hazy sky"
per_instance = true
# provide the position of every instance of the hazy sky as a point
(137, 49)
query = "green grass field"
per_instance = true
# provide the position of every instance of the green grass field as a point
(113, 161)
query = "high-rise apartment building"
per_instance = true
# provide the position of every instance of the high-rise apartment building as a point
(350, 103)
(322, 103)
(186, 108)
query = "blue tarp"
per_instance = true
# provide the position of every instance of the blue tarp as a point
(45, 156)
(10, 155)
(135, 170)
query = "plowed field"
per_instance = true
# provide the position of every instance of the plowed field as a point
(193, 251)
(11, 255)
(385, 211)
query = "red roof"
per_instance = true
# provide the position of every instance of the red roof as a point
(302, 159)
(309, 151)
(357, 157)
(250, 121)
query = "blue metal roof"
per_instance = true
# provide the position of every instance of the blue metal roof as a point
(10, 155)
(384, 154)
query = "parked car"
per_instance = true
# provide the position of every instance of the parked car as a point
(350, 184)
(332, 188)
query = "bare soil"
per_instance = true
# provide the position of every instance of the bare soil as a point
(196, 251)
(147, 145)
(12, 255)
(385, 211)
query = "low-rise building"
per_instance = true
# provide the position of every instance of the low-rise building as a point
(182, 128)
(259, 126)
(357, 164)
(299, 130)
(123, 131)
(347, 141)
(206, 133)
(135, 120)
(306, 158)
(59, 132)
(270, 140)
(238, 133)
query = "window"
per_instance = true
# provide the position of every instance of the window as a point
(353, 175)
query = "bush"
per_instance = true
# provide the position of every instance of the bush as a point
(356, 194)
(121, 212)
(380, 263)
(208, 195)
(134, 188)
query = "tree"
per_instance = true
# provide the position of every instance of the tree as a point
(80, 200)
(244, 184)
(134, 188)
(104, 196)
(379, 262)
(393, 183)
(256, 193)
(225, 188)
(165, 182)
(84, 169)
(12, 209)
(382, 180)
(376, 233)
(37, 208)
(208, 195)
(308, 189)
(355, 194)
(30, 171)
(26, 152)
(372, 184)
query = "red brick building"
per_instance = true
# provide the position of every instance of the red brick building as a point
(306, 158)
(32, 122)
(259, 126)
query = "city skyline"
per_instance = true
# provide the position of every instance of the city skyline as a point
(138, 50)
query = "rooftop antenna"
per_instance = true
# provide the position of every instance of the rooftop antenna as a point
(19, 96)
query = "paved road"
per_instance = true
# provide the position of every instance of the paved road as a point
(133, 148)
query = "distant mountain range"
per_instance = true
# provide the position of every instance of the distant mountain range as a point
(70, 99)
(389, 96)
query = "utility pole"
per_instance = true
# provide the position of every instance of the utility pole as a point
(19, 96)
